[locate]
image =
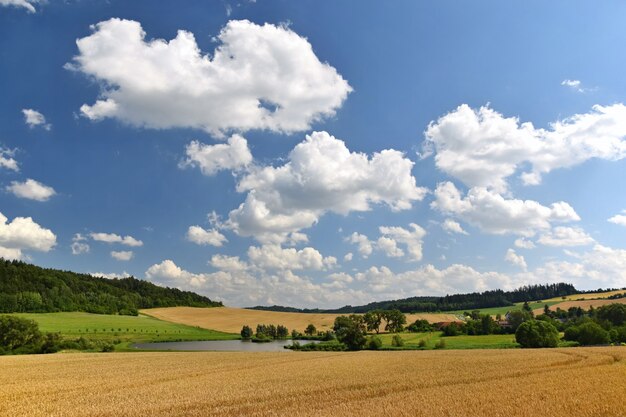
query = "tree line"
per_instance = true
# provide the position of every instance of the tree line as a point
(470, 301)
(26, 288)
(601, 326)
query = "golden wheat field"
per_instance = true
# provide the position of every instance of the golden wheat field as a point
(584, 304)
(545, 382)
(575, 297)
(231, 320)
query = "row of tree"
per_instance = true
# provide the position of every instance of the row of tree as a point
(22, 336)
(470, 301)
(601, 326)
(265, 332)
(26, 288)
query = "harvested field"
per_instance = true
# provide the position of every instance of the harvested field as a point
(584, 304)
(231, 320)
(553, 382)
(576, 297)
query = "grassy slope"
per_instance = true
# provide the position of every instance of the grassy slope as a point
(228, 319)
(125, 328)
(493, 341)
(503, 310)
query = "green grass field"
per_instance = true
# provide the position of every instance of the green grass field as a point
(503, 310)
(492, 341)
(128, 329)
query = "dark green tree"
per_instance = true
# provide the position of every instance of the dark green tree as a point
(395, 321)
(281, 332)
(246, 333)
(517, 317)
(420, 326)
(588, 333)
(537, 334)
(19, 335)
(350, 330)
(373, 320)
(310, 330)
(614, 313)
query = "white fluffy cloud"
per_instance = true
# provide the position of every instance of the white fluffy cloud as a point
(31, 190)
(565, 236)
(619, 219)
(482, 148)
(389, 247)
(7, 161)
(200, 236)
(524, 243)
(271, 282)
(601, 267)
(411, 239)
(259, 77)
(321, 175)
(494, 214)
(427, 280)
(451, 226)
(390, 238)
(113, 238)
(110, 275)
(33, 118)
(515, 259)
(576, 85)
(169, 274)
(22, 233)
(26, 4)
(238, 286)
(123, 255)
(228, 263)
(213, 158)
(273, 257)
(365, 247)
(79, 245)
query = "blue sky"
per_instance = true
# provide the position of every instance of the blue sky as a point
(316, 153)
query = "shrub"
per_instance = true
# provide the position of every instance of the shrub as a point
(589, 333)
(441, 344)
(332, 346)
(108, 347)
(374, 343)
(619, 335)
(537, 334)
(19, 335)
(420, 326)
(422, 343)
(397, 341)
(451, 329)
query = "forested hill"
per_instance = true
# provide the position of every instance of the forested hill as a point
(29, 288)
(471, 301)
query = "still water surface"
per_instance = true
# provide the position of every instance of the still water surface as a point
(223, 345)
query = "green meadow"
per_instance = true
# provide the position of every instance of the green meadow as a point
(129, 329)
(492, 341)
(503, 310)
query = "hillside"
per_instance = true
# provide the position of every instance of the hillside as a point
(470, 301)
(26, 288)
(231, 320)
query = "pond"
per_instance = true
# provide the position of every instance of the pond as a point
(223, 345)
